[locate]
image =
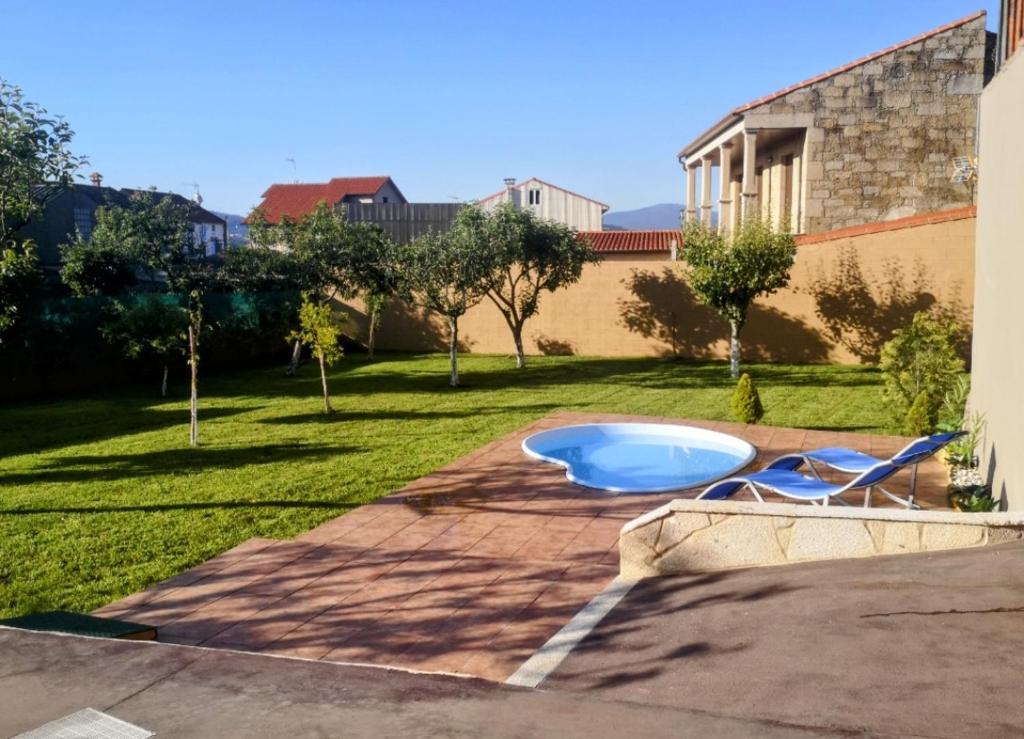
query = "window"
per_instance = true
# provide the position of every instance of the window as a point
(384, 199)
(534, 197)
(83, 222)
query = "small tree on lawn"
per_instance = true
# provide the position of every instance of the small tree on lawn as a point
(159, 236)
(320, 330)
(727, 273)
(371, 267)
(150, 326)
(318, 244)
(446, 273)
(529, 256)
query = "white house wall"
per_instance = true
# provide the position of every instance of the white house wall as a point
(556, 205)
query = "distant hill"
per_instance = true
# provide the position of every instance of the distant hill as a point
(653, 217)
(238, 232)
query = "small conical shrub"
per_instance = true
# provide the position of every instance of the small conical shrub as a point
(746, 403)
(920, 419)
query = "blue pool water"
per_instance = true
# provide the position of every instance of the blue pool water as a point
(640, 457)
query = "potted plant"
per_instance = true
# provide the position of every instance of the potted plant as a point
(969, 492)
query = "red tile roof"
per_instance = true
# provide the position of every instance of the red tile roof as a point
(739, 110)
(524, 183)
(608, 242)
(299, 199)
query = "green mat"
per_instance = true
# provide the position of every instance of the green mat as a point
(81, 624)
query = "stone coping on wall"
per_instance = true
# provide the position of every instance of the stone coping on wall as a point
(688, 536)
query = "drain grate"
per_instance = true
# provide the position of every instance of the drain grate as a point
(87, 724)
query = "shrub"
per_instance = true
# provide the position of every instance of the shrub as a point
(920, 419)
(953, 412)
(746, 402)
(920, 358)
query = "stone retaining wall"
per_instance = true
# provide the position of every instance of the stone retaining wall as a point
(687, 536)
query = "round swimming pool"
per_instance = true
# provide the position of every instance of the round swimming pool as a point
(640, 457)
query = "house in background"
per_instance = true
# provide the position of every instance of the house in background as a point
(298, 199)
(375, 200)
(873, 140)
(67, 210)
(550, 202)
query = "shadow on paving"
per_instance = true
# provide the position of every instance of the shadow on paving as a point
(915, 644)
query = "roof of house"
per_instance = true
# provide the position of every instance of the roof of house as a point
(741, 109)
(609, 242)
(538, 180)
(296, 200)
(196, 212)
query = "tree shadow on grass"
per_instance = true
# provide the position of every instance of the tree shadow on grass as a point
(340, 507)
(111, 467)
(35, 428)
(411, 415)
(664, 308)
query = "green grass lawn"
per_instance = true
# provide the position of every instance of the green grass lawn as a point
(102, 496)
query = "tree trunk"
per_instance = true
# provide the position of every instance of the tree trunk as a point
(293, 365)
(734, 350)
(323, 383)
(517, 336)
(193, 350)
(374, 318)
(163, 383)
(453, 349)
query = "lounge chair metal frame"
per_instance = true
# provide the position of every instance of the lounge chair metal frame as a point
(785, 481)
(909, 456)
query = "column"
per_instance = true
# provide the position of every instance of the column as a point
(749, 173)
(691, 193)
(705, 190)
(725, 187)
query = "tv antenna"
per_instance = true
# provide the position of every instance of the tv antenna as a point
(196, 197)
(965, 169)
(965, 172)
(295, 170)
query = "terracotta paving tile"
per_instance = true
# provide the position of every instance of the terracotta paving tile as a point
(469, 569)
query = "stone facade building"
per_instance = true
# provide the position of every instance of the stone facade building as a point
(873, 140)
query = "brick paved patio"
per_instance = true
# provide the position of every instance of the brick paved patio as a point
(469, 569)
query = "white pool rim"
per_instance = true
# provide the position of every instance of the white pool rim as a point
(706, 438)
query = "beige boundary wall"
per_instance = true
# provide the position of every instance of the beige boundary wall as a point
(998, 372)
(687, 536)
(849, 290)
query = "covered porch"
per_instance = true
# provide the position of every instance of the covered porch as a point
(750, 171)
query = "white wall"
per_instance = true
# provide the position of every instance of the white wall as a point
(997, 373)
(205, 233)
(555, 204)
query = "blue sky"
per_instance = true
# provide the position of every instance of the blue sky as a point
(446, 97)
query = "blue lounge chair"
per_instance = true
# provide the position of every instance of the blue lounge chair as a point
(780, 478)
(852, 462)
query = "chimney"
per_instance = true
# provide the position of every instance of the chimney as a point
(510, 182)
(96, 179)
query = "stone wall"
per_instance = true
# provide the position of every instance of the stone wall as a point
(687, 536)
(881, 135)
